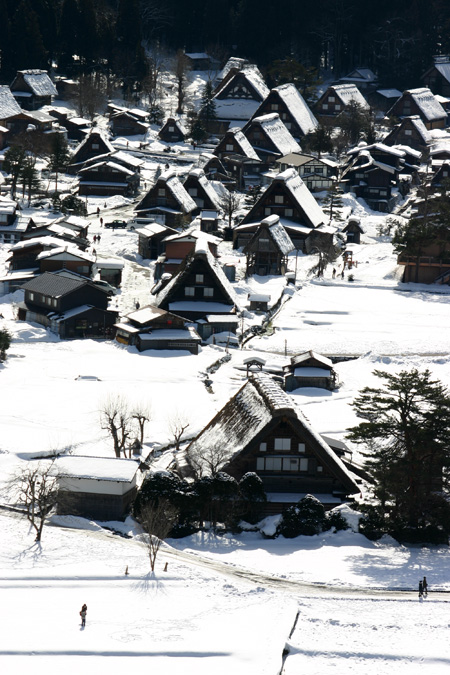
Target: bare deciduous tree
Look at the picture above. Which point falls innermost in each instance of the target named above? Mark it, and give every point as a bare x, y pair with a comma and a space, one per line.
116, 419
208, 461
178, 423
181, 69
230, 203
141, 414
157, 519
35, 488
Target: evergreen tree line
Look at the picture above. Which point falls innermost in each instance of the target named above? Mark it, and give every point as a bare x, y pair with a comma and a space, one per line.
396, 38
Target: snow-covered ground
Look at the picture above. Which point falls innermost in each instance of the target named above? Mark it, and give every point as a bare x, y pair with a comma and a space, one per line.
357, 612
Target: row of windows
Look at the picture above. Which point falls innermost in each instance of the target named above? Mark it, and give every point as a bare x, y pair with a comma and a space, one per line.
283, 444
49, 301
189, 292
291, 464
336, 107
287, 212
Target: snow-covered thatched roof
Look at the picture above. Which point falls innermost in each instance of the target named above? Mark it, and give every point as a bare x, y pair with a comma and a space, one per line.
302, 195
8, 104
297, 107
428, 103
175, 186
39, 82
276, 231
348, 93
246, 148
258, 404
206, 185
277, 132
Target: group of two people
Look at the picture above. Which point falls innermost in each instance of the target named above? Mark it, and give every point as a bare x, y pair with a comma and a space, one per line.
423, 588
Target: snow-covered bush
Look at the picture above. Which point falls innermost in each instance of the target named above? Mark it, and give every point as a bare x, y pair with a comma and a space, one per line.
307, 517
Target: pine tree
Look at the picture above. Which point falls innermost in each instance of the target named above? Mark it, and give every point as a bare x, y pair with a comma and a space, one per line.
5, 343
406, 429
208, 106
60, 156
332, 203
12, 164
29, 177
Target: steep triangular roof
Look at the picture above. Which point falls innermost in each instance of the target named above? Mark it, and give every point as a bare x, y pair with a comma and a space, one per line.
272, 228
201, 252
239, 425
8, 104
277, 133
297, 106
301, 196
37, 81
199, 176
170, 180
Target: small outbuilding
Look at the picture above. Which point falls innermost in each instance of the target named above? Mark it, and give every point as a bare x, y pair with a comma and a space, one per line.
310, 370
101, 488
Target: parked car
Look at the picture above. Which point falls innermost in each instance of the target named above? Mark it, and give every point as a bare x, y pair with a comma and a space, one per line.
116, 224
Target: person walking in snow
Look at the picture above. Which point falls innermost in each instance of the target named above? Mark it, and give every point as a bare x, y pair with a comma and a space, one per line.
83, 615
421, 589
425, 586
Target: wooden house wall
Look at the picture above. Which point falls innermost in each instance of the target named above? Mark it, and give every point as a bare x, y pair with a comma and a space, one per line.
239, 87
180, 249
275, 104
90, 324
406, 106
267, 205
199, 266
98, 507
79, 266
400, 136
201, 198
85, 295
152, 247
230, 141
259, 139
186, 345
436, 82
296, 480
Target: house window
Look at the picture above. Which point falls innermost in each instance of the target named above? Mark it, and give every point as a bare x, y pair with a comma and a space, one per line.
279, 199
199, 278
189, 291
3, 218
408, 132
31, 296
290, 463
303, 464
319, 170
171, 128
54, 302
331, 99
337, 106
267, 211
273, 464
256, 135
260, 463
307, 169
288, 125
161, 192
193, 192
301, 448
49, 301
274, 106
95, 146
319, 468
263, 447
288, 213
229, 147
282, 444
325, 106
208, 292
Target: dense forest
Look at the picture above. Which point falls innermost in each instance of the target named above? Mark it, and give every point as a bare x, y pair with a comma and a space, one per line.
396, 38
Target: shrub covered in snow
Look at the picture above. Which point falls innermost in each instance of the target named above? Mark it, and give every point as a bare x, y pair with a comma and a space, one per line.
307, 517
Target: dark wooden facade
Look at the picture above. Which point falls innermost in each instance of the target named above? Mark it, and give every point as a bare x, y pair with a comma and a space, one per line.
108, 178
172, 131
420, 102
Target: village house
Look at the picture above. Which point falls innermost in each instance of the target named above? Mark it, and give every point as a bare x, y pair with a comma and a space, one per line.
238, 96
437, 77
336, 100
9, 108
410, 131
108, 178
76, 127
205, 193
201, 61
71, 308
214, 169
179, 245
364, 78
172, 131
13, 224
93, 145
423, 103
353, 230
124, 123
240, 159
262, 431
310, 370
38, 126
317, 173
441, 174
432, 265
109, 271
167, 201
67, 257
33, 88
99, 488
270, 138
151, 239
268, 250
289, 198
382, 100
200, 288
153, 328
289, 104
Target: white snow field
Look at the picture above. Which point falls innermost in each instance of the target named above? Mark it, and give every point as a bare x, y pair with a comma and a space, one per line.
358, 608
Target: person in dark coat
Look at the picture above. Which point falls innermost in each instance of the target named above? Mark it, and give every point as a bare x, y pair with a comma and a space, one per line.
421, 589
425, 586
83, 615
